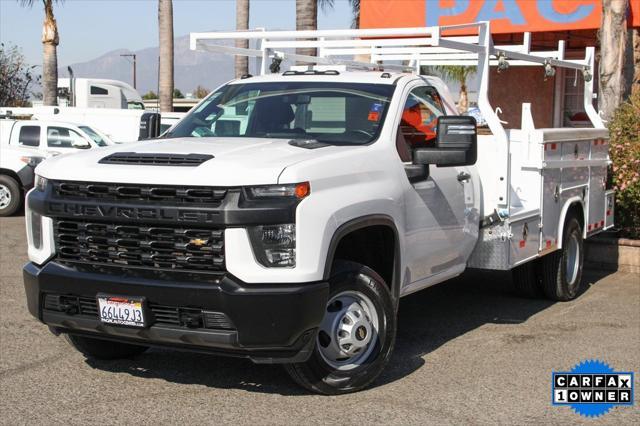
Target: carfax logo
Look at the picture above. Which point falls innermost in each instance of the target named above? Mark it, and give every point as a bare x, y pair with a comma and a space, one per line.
592, 388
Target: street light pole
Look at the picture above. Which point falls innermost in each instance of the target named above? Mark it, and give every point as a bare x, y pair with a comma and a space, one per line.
132, 55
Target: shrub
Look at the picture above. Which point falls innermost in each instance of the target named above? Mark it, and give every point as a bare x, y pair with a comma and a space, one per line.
624, 131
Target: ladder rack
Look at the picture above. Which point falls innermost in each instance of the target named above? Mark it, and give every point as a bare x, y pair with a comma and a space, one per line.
408, 49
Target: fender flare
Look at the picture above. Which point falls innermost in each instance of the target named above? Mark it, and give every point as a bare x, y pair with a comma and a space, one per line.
363, 222
563, 216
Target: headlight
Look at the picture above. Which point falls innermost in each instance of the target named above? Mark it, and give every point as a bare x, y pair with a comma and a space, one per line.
41, 183
297, 190
274, 245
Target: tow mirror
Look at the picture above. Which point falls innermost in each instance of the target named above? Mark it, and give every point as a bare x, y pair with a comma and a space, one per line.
456, 143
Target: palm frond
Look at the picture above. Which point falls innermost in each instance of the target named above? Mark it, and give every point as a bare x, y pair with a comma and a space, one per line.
326, 5
29, 3
457, 73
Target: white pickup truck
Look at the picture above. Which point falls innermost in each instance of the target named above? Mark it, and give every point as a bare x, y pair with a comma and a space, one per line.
25, 142
285, 216
119, 125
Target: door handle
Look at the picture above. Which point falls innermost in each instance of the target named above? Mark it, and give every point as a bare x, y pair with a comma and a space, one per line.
464, 177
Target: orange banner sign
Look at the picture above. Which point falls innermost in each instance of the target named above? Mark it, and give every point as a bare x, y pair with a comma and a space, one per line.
506, 16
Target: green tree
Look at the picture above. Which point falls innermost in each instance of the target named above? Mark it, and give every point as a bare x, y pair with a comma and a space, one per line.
456, 73
50, 41
16, 77
150, 95
624, 131
177, 94
200, 92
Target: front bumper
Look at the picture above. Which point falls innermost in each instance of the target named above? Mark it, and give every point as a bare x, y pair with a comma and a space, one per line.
270, 323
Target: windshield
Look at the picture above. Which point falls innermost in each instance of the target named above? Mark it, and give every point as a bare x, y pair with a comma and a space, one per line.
336, 113
99, 139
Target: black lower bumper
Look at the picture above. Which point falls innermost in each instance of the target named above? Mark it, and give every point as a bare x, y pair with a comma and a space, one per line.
267, 322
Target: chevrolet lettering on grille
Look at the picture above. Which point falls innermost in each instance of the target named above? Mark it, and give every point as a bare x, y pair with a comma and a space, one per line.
139, 213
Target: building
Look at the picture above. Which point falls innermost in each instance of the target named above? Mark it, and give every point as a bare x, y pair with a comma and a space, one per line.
555, 101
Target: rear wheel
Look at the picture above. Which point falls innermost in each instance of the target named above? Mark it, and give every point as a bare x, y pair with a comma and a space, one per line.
526, 280
356, 336
103, 349
562, 269
10, 198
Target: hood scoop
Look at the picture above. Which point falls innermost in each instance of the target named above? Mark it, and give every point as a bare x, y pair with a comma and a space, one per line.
151, 159
307, 143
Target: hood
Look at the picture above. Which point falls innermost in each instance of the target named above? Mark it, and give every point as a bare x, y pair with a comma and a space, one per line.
235, 162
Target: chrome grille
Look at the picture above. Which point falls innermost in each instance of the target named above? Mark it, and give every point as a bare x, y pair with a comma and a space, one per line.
166, 247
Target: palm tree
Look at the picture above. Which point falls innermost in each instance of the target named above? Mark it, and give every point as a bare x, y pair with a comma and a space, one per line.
242, 23
355, 10
456, 73
613, 37
165, 30
50, 41
307, 19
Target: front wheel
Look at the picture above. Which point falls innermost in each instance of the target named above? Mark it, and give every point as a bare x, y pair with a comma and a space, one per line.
10, 197
356, 337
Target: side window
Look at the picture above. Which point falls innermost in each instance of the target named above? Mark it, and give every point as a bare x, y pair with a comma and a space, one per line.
97, 90
60, 137
420, 117
29, 136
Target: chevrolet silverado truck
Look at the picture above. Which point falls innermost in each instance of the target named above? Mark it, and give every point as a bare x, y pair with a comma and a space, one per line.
286, 215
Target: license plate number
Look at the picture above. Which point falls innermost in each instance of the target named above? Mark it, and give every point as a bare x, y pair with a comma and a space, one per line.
121, 310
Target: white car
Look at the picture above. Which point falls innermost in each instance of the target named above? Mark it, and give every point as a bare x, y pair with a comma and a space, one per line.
51, 137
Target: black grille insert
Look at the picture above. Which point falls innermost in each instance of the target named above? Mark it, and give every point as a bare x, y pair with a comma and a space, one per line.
140, 192
175, 248
151, 159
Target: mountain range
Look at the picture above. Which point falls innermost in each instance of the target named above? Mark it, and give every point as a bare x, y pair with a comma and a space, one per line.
191, 68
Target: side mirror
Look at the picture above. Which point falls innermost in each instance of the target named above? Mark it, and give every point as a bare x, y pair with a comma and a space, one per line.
81, 145
456, 143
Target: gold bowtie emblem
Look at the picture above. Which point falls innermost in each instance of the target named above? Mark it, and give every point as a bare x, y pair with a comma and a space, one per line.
198, 242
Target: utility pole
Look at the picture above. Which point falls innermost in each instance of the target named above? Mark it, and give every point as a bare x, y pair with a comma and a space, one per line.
132, 55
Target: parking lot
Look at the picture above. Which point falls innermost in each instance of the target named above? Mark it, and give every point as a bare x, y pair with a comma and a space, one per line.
467, 352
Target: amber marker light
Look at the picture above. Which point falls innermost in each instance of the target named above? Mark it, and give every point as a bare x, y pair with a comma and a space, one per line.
302, 189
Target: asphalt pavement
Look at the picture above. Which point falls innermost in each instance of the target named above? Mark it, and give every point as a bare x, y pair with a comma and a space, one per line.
467, 353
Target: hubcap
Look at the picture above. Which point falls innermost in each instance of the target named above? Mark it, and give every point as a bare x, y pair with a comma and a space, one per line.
5, 197
349, 330
572, 259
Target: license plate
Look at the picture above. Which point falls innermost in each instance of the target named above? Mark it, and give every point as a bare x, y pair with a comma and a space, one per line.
121, 310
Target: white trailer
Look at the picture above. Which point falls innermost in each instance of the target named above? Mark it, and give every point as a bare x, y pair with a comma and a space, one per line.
96, 93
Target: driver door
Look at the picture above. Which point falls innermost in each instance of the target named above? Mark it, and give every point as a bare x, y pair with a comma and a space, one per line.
435, 203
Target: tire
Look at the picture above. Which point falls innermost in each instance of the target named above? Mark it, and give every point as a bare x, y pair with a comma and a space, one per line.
359, 303
10, 196
561, 270
526, 280
103, 349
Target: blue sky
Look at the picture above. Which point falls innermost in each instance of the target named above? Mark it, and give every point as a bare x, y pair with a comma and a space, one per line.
90, 28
